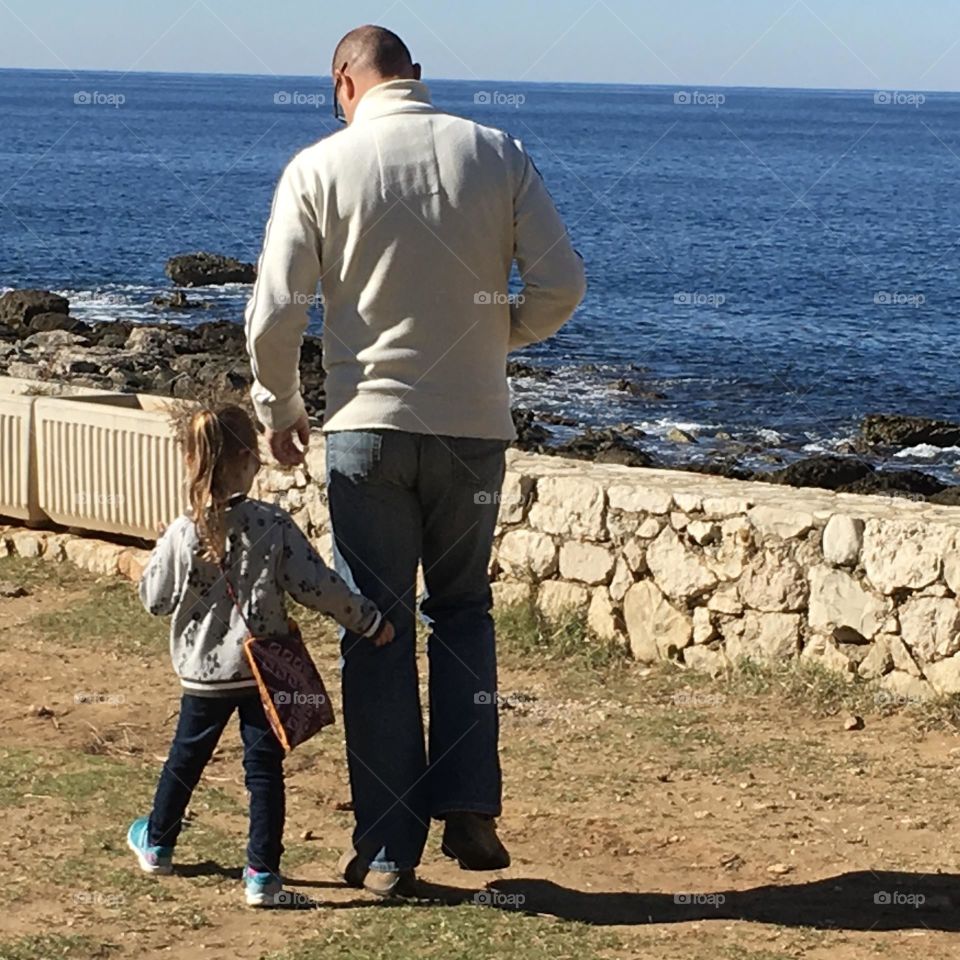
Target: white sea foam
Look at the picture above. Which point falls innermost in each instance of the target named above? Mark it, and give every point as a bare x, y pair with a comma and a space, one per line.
927, 451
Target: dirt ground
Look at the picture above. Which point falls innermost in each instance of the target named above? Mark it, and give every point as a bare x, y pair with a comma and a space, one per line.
650, 813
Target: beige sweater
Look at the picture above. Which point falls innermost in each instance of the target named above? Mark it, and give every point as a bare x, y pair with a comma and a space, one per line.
410, 220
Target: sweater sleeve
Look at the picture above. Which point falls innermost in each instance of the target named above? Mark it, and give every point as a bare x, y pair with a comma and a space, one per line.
307, 579
277, 314
554, 281
163, 578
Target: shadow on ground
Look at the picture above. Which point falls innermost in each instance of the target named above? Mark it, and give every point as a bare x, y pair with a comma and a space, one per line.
864, 900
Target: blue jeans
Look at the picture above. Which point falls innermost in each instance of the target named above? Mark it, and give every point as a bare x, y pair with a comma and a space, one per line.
202, 721
398, 499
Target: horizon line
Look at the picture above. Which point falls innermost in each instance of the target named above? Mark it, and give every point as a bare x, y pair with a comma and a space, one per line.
542, 83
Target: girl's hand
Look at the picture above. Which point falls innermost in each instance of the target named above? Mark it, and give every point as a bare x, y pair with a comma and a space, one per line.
384, 635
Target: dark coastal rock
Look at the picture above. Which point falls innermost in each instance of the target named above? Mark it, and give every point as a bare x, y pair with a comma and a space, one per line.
635, 389
178, 300
724, 468
828, 473
208, 269
608, 446
558, 420
947, 498
45, 322
893, 430
531, 436
516, 368
896, 483
19, 307
111, 334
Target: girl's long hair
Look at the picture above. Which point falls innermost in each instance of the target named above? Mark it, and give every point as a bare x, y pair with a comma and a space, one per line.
215, 443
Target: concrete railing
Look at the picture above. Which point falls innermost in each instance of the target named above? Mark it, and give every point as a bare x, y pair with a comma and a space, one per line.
87, 459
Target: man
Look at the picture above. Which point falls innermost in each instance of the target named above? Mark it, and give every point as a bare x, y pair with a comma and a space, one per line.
410, 219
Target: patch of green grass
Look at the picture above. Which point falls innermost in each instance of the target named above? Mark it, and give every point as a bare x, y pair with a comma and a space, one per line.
34, 574
525, 635
455, 933
82, 781
55, 947
111, 616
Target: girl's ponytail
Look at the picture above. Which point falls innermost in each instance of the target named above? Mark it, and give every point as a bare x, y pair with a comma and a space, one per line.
215, 443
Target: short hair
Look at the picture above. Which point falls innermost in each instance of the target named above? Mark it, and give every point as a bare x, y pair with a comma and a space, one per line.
373, 48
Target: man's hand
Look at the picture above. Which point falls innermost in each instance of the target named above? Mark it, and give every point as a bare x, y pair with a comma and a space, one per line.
384, 635
283, 442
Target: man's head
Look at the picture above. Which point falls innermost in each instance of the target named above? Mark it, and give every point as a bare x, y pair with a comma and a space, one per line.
366, 57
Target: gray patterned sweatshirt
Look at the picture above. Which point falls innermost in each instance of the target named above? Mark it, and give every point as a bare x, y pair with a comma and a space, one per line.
268, 556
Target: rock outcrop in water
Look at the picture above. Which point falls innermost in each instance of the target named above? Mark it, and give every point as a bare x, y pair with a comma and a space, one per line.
208, 270
151, 358
893, 430
20, 310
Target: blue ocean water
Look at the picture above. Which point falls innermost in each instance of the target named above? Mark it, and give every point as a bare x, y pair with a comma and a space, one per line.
773, 264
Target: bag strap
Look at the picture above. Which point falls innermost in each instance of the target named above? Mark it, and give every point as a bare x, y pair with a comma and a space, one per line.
233, 596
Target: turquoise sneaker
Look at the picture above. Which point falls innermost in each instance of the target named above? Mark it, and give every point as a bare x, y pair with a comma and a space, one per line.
158, 860
263, 889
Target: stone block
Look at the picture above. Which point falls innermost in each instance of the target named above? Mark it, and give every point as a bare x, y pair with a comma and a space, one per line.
843, 540
657, 630
773, 582
528, 555
931, 628
586, 562
602, 619
558, 599
636, 498
783, 522
570, 507
903, 554
511, 593
763, 637
841, 605
680, 573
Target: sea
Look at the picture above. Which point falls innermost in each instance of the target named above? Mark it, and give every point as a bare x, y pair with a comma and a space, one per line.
766, 266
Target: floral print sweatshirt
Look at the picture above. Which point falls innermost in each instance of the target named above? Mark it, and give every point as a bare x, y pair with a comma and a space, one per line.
267, 557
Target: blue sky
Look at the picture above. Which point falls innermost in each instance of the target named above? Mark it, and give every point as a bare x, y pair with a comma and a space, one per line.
868, 44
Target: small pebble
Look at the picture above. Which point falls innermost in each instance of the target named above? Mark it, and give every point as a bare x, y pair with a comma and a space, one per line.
853, 723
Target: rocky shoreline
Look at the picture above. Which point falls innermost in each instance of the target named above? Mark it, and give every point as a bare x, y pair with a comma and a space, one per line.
40, 340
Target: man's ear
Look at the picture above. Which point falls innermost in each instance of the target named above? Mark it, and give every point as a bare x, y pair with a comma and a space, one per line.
349, 87
417, 71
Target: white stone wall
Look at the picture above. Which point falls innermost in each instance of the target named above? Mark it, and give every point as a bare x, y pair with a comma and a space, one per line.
704, 570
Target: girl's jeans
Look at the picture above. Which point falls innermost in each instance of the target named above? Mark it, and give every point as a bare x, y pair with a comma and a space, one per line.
202, 721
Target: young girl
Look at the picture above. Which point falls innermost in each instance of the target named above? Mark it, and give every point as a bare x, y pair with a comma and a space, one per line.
263, 554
